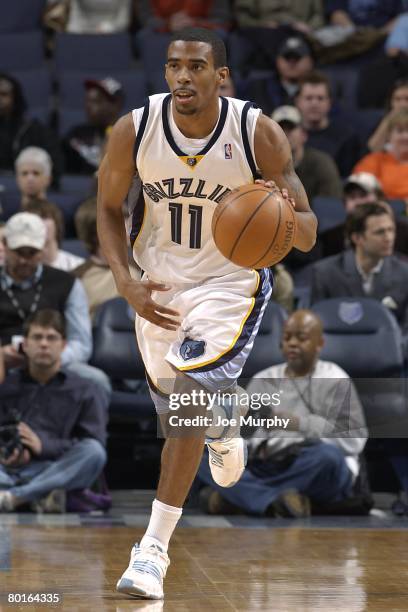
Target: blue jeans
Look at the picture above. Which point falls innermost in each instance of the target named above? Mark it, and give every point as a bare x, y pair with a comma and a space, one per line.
319, 471
78, 468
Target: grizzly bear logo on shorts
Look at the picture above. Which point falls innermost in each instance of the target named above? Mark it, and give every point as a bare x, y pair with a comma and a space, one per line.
190, 349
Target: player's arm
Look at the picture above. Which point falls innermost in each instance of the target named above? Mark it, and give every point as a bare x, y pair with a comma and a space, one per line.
115, 177
274, 159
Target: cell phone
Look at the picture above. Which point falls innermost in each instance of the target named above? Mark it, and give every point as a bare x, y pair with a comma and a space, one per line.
17, 343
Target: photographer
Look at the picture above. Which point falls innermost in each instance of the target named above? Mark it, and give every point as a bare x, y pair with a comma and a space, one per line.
52, 423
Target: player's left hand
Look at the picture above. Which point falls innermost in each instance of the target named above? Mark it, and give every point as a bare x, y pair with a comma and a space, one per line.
283, 192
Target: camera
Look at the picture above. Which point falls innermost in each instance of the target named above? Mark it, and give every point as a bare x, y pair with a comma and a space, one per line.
10, 437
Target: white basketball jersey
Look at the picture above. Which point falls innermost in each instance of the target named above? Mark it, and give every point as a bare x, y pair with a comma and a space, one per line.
171, 203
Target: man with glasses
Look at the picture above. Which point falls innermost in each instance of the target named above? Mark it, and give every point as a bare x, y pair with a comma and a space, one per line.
52, 423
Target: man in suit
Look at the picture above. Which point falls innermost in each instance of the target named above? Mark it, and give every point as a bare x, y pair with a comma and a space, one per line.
369, 268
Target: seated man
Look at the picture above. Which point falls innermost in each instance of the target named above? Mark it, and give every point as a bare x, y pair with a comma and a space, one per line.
27, 285
369, 268
61, 419
314, 457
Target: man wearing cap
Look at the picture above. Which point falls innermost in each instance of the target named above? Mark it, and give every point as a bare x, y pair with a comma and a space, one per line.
26, 285
294, 60
369, 268
83, 145
360, 188
316, 169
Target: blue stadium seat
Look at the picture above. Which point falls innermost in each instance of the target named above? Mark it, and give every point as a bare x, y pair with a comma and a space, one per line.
364, 339
116, 353
69, 118
21, 51
343, 81
75, 183
9, 203
153, 50
76, 247
329, 212
104, 52
266, 350
72, 92
365, 121
21, 16
239, 51
68, 204
8, 183
36, 86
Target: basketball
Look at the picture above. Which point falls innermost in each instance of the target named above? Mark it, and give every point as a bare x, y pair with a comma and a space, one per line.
254, 227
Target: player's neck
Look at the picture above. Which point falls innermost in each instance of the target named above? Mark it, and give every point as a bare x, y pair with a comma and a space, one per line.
199, 125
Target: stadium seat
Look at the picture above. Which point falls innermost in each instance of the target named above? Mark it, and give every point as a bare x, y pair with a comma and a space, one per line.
72, 93
343, 81
364, 339
76, 247
266, 350
21, 16
21, 51
116, 353
9, 203
8, 183
67, 203
152, 49
329, 212
104, 52
75, 183
364, 122
36, 86
69, 118
239, 51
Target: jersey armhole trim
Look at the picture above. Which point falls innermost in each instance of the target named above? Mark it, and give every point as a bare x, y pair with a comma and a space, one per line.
245, 139
142, 127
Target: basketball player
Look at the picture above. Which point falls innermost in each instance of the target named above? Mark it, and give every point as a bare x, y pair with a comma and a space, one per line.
197, 313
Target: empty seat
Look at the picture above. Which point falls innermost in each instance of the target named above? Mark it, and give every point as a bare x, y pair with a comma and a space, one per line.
329, 212
75, 183
74, 246
21, 51
105, 52
116, 353
21, 16
69, 118
36, 86
266, 350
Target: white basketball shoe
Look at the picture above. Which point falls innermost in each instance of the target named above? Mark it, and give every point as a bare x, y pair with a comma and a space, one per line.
227, 456
145, 573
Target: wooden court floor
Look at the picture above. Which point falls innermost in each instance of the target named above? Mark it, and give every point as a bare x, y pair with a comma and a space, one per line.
276, 569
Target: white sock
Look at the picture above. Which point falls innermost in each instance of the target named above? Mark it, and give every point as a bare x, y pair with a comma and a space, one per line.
163, 521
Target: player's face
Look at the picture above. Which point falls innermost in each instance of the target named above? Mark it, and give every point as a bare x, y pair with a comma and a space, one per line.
43, 346
313, 102
32, 179
378, 238
301, 343
192, 78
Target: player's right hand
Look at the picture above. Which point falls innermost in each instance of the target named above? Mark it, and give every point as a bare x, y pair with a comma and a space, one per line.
138, 294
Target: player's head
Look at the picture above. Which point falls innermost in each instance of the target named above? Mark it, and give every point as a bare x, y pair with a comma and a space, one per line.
195, 68
302, 341
370, 228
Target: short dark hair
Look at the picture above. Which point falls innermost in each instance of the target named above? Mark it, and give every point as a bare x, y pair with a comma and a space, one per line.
315, 78
48, 210
47, 317
206, 36
357, 219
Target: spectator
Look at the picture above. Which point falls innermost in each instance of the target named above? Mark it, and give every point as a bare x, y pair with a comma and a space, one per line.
316, 459
33, 168
17, 131
316, 169
369, 268
390, 166
361, 188
397, 41
164, 16
95, 273
398, 100
375, 13
267, 24
53, 255
84, 144
26, 285
282, 287
333, 137
293, 61
88, 16
61, 423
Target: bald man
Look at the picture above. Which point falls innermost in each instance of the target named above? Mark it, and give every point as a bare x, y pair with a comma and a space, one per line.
310, 432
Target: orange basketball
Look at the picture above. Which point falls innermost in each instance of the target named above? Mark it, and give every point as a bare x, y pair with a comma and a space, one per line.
254, 227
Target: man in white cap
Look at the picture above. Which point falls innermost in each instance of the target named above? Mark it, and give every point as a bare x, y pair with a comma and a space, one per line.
361, 188
26, 285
